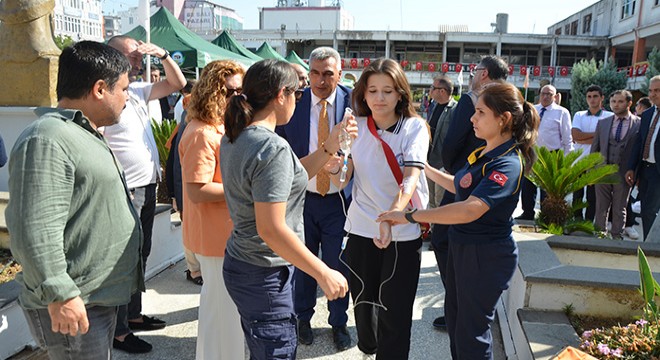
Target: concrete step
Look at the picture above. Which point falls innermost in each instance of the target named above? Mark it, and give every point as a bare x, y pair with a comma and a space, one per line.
546, 332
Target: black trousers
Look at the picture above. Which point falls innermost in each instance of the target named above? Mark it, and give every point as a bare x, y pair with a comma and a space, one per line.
385, 330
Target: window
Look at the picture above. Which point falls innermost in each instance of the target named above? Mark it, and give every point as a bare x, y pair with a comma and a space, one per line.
558, 31
586, 24
567, 29
574, 27
628, 8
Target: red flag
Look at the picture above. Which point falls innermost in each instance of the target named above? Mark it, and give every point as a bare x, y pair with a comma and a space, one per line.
432, 67
366, 62
418, 66
537, 71
498, 177
445, 67
551, 70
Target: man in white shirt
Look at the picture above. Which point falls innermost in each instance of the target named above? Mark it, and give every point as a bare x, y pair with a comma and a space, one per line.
584, 128
134, 146
554, 134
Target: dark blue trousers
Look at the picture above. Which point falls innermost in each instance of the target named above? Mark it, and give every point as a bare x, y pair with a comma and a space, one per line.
264, 301
324, 231
476, 277
440, 239
649, 190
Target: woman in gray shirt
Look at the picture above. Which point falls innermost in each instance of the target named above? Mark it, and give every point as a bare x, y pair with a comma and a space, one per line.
264, 188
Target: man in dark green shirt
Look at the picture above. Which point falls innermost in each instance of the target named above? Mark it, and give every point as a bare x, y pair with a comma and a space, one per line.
72, 225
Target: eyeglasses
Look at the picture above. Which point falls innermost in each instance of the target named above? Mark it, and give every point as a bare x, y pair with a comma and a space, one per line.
299, 94
232, 92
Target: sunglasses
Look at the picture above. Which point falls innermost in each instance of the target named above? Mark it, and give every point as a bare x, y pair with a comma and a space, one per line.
232, 92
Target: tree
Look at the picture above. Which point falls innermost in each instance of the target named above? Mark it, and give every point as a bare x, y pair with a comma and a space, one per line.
589, 72
63, 41
653, 70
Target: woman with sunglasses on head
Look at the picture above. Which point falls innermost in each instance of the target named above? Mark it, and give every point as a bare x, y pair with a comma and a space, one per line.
385, 262
482, 253
206, 222
265, 188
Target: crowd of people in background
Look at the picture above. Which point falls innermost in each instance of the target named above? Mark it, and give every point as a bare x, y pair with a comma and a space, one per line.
283, 193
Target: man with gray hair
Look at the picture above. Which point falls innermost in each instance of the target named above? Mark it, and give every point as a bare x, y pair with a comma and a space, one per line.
320, 108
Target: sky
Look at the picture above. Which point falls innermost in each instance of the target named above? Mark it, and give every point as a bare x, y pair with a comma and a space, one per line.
525, 16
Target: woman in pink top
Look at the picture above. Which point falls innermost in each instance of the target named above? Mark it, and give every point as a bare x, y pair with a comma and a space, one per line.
206, 221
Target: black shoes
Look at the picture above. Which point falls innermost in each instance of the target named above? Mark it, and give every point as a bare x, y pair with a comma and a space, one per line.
132, 345
440, 323
148, 323
525, 216
341, 337
305, 334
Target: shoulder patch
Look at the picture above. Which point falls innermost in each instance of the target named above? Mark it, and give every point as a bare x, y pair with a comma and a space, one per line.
466, 180
498, 177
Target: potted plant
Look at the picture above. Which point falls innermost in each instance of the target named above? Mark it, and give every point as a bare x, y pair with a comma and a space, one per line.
559, 175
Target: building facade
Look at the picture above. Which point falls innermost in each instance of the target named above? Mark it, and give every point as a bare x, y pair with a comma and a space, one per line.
78, 19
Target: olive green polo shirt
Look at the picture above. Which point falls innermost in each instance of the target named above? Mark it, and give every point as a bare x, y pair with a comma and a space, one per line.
71, 222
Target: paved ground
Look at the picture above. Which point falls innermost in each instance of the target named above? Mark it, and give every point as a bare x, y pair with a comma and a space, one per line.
172, 298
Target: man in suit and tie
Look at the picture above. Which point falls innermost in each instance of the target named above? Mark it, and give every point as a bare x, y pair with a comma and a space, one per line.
320, 108
441, 92
614, 139
644, 162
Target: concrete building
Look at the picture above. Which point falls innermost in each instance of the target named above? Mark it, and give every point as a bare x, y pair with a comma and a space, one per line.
305, 17
208, 19
632, 27
112, 26
79, 19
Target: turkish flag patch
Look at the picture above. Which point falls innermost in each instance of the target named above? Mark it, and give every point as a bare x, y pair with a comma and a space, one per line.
498, 177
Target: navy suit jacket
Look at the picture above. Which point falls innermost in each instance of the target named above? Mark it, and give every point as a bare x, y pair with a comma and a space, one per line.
460, 141
296, 132
637, 152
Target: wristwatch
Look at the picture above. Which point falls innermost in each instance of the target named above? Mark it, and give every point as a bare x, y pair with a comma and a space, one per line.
409, 216
167, 54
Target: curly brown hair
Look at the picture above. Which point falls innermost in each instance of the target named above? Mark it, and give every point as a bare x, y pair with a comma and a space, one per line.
208, 100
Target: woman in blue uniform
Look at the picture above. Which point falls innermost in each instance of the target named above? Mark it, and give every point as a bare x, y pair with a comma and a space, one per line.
482, 253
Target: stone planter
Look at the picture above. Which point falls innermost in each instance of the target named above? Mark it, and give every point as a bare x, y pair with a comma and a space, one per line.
14, 331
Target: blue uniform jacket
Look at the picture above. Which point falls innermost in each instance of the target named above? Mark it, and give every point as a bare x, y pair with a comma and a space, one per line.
493, 177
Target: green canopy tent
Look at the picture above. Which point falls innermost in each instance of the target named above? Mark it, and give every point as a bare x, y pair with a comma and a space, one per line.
187, 48
228, 42
295, 59
267, 52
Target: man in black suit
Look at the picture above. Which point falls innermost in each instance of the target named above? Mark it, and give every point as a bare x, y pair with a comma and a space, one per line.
644, 162
323, 103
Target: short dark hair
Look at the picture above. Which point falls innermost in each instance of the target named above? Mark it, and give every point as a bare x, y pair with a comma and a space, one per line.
645, 102
445, 82
86, 62
594, 87
496, 66
623, 92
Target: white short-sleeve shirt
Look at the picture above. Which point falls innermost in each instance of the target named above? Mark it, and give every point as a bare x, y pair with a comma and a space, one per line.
586, 122
374, 186
132, 140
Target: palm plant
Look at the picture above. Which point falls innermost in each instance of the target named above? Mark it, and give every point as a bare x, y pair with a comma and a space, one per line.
162, 133
559, 174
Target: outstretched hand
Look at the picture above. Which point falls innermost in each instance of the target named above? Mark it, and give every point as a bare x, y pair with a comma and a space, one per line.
392, 217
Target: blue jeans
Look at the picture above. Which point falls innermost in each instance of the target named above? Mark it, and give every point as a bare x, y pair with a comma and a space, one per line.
264, 300
95, 345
